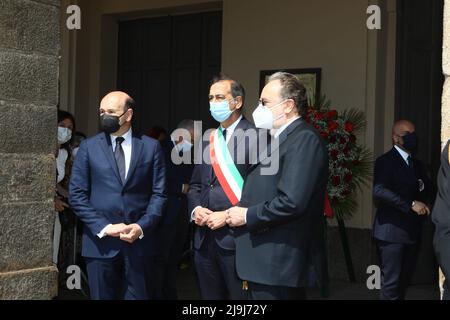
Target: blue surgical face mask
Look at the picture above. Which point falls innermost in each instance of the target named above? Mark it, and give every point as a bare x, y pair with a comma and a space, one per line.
185, 146
220, 111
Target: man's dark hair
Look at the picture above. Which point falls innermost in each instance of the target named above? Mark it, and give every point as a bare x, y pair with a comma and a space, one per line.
237, 89
129, 104
187, 124
63, 115
293, 89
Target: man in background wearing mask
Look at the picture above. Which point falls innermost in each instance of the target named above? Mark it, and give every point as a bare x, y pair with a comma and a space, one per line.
279, 221
210, 193
399, 188
171, 237
118, 191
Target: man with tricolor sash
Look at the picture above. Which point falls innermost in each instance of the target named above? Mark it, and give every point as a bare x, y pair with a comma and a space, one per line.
216, 185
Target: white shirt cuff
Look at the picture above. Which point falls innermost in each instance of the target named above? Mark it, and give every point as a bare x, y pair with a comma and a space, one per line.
103, 232
193, 213
142, 233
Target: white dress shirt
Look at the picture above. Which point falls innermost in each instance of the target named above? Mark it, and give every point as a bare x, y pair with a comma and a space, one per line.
403, 153
230, 131
284, 127
61, 164
127, 146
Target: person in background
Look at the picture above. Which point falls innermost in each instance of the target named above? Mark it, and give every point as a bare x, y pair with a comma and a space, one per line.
63, 236
157, 133
77, 138
441, 219
400, 188
172, 235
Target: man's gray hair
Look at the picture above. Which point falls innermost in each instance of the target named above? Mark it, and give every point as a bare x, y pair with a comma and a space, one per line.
293, 89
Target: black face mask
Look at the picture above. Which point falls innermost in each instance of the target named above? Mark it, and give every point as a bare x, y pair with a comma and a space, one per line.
410, 141
110, 124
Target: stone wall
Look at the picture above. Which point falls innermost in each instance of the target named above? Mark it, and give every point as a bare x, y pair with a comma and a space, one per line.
29, 49
446, 70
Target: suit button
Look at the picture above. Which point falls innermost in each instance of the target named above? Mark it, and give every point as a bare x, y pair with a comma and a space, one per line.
212, 187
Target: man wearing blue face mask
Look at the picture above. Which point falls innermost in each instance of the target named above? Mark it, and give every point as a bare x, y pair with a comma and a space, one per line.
216, 186
400, 189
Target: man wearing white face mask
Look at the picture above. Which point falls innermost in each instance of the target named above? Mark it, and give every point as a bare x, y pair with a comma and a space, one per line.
174, 225
279, 221
215, 186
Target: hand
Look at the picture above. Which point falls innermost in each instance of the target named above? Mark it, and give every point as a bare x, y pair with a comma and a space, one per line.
237, 216
115, 230
60, 205
185, 188
202, 216
134, 232
420, 208
217, 220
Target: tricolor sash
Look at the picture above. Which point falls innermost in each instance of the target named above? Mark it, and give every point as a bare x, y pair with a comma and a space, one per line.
224, 167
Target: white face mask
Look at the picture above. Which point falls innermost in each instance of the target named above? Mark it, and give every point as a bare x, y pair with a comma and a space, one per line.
263, 117
64, 135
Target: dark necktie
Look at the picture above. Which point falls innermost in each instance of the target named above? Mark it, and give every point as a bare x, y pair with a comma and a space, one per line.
224, 132
410, 162
120, 157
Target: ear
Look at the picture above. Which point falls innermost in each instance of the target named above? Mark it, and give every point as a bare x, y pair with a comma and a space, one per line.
395, 138
290, 105
238, 102
130, 115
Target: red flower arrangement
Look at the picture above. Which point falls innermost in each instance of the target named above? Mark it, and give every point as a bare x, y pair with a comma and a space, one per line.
350, 163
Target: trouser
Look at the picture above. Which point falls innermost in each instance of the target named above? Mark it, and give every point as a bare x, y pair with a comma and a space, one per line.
397, 267
216, 272
121, 277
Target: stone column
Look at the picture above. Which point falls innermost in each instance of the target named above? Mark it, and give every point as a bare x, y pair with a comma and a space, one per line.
29, 48
446, 70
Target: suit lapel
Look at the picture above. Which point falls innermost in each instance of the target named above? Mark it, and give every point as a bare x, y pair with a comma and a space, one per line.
402, 163
108, 151
136, 151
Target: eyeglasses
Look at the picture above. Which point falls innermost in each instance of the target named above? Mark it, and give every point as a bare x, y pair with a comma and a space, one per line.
264, 103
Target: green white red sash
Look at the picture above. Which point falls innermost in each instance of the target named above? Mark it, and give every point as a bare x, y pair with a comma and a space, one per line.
224, 167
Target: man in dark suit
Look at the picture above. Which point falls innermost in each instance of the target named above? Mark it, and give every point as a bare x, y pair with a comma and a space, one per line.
399, 189
210, 193
279, 221
441, 219
118, 190
172, 235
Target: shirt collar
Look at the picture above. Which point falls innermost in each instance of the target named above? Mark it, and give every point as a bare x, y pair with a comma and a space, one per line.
403, 153
127, 136
233, 126
283, 127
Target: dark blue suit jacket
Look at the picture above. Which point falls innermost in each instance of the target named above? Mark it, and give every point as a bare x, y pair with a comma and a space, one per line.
177, 175
205, 189
395, 187
99, 198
